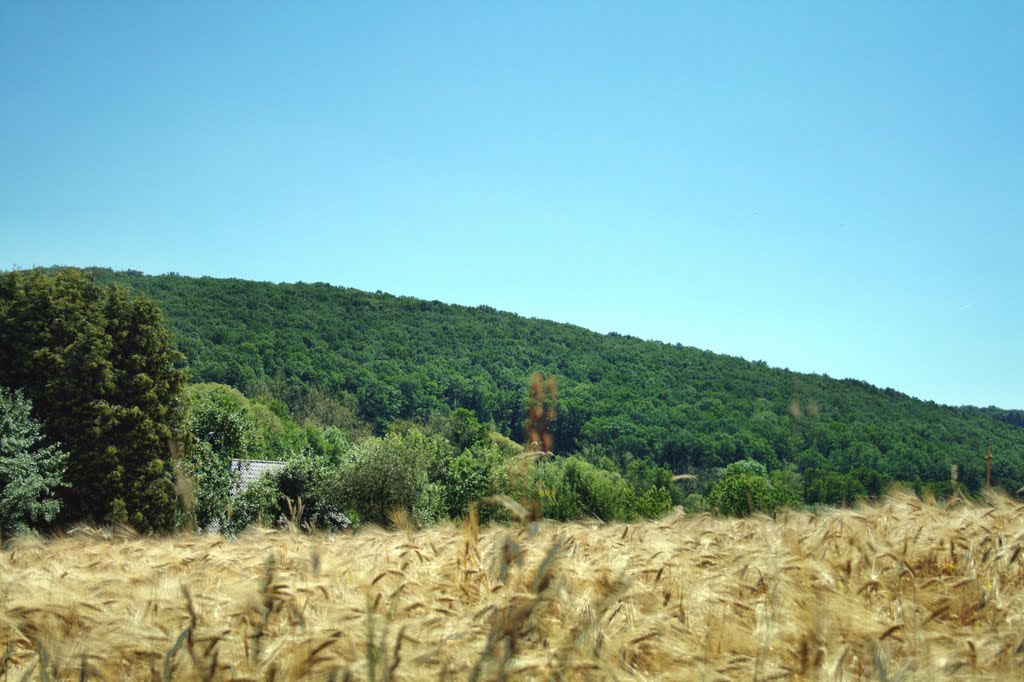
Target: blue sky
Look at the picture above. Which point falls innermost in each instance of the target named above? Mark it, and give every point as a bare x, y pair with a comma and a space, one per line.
832, 188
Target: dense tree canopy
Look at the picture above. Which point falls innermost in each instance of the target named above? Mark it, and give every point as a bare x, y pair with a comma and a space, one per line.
375, 358
103, 376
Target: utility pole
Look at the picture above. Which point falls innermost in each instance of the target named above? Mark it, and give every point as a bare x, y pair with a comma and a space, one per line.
988, 468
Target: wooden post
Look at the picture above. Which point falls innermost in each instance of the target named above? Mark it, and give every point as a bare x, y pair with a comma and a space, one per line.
988, 468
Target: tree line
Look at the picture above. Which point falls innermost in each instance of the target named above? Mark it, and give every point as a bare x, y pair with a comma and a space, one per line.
142, 387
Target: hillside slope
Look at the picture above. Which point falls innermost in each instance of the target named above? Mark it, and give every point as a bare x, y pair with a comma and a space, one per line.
325, 349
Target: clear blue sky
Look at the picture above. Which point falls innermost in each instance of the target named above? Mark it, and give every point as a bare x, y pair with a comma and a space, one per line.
835, 189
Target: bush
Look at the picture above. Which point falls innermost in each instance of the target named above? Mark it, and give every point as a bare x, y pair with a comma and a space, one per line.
465, 479
694, 503
384, 475
833, 488
572, 488
30, 472
744, 489
653, 504
206, 497
305, 491
316, 485
787, 485
257, 504
477, 473
219, 416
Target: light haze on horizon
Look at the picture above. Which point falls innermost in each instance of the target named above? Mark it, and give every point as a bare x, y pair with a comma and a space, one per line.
837, 190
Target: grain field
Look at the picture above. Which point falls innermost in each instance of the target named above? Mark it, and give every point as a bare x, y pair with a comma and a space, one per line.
901, 590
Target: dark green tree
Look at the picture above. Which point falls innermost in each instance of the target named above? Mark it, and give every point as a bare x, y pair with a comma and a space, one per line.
102, 373
30, 471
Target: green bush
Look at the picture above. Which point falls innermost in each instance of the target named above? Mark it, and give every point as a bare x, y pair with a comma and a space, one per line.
695, 503
30, 472
317, 485
258, 504
787, 485
833, 488
465, 479
208, 482
305, 491
476, 474
219, 416
464, 431
653, 504
383, 475
743, 489
572, 488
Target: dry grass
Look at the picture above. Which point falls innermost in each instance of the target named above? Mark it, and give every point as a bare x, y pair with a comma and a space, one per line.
903, 590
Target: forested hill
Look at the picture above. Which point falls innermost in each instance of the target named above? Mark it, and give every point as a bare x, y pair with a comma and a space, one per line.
331, 353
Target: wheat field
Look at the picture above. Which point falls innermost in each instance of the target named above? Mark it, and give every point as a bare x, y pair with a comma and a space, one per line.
899, 590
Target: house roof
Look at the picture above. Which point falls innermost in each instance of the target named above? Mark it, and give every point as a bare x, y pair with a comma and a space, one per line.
249, 470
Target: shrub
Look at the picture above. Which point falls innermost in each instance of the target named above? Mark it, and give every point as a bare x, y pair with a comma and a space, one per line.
206, 499
653, 504
787, 485
477, 473
830, 487
309, 485
30, 472
465, 479
382, 475
219, 416
743, 489
316, 484
257, 504
572, 488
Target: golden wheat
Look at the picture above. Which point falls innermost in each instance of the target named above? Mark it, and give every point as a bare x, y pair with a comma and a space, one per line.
901, 590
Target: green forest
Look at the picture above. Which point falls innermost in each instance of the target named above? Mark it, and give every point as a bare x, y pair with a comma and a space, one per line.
385, 405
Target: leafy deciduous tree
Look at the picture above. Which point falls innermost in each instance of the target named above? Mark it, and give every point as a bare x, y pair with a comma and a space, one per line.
744, 489
30, 471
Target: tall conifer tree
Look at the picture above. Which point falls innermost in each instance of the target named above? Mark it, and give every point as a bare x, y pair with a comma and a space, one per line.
103, 374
